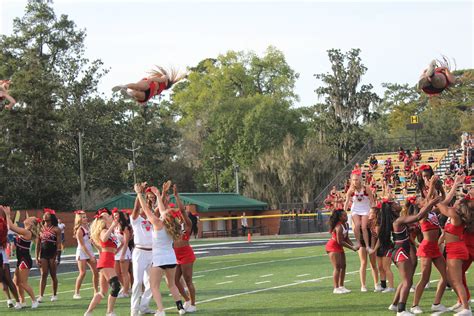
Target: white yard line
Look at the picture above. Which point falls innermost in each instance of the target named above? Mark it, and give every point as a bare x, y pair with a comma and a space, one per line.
198, 276
60, 298
232, 276
261, 282
226, 282
266, 275
302, 275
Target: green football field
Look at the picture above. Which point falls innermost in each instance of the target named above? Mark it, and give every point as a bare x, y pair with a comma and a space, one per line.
278, 282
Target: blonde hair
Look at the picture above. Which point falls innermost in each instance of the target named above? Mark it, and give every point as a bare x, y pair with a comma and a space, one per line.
172, 74
35, 228
98, 225
172, 226
465, 211
77, 223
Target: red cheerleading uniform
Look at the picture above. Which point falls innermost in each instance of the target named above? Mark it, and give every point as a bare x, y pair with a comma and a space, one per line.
185, 254
152, 89
401, 248
106, 258
23, 256
432, 90
429, 249
456, 249
332, 245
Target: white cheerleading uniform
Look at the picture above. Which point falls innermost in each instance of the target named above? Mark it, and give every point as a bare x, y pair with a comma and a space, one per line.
120, 238
360, 203
163, 252
81, 254
141, 263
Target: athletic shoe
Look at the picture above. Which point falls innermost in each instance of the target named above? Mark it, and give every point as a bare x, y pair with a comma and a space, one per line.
76, 297
123, 295
378, 288
431, 68
393, 308
388, 290
363, 289
456, 307
416, 310
17, 305
439, 308
117, 88
54, 298
344, 290
10, 303
34, 304
40, 299
412, 289
111, 314
88, 314
125, 94
464, 312
337, 291
146, 311
405, 313
181, 312
190, 309
427, 286
162, 313
23, 305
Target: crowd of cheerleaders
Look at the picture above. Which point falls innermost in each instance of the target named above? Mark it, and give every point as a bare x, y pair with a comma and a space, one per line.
434, 227
152, 240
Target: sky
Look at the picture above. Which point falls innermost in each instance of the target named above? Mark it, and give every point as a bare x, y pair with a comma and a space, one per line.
397, 38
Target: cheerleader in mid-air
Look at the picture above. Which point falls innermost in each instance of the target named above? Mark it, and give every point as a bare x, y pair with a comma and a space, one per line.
436, 78
4, 95
145, 89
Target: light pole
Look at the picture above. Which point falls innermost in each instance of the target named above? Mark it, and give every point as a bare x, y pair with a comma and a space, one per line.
236, 170
81, 171
132, 165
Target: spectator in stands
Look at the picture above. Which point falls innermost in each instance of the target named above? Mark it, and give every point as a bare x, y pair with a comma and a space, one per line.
417, 154
373, 162
401, 154
454, 163
448, 182
368, 177
396, 180
407, 165
347, 185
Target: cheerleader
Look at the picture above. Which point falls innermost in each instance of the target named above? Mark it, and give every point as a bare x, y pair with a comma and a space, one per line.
425, 187
5, 276
102, 234
48, 252
124, 256
429, 253
84, 253
24, 261
166, 229
393, 223
4, 95
185, 258
459, 217
436, 78
145, 89
339, 238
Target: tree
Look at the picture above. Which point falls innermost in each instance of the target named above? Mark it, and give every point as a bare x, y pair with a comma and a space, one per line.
347, 104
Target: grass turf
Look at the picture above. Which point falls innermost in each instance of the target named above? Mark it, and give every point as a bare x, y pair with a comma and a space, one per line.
279, 282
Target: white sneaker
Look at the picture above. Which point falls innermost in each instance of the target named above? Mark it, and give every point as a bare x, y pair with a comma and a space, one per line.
17, 305
404, 313
439, 308
344, 290
23, 305
54, 298
412, 290
34, 304
363, 289
88, 314
388, 290
76, 297
427, 286
337, 291
378, 288
456, 307
464, 312
181, 312
111, 314
393, 308
40, 299
146, 311
416, 310
191, 309
10, 303
162, 313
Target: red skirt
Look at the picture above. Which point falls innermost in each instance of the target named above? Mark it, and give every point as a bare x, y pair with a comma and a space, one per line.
333, 246
457, 250
469, 240
106, 260
428, 249
184, 255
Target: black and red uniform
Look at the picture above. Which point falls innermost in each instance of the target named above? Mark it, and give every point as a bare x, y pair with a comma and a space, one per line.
23, 255
152, 90
401, 248
49, 242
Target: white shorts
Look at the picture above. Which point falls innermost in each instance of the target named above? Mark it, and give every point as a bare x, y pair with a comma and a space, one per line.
360, 213
128, 255
81, 255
